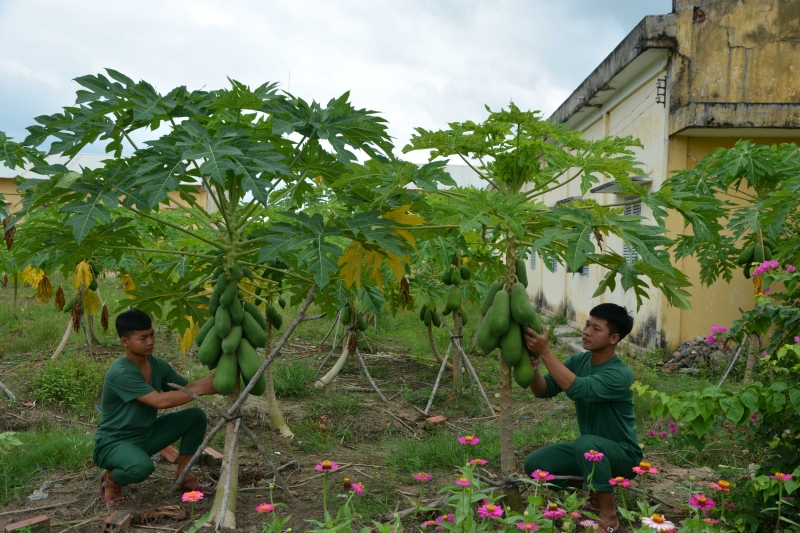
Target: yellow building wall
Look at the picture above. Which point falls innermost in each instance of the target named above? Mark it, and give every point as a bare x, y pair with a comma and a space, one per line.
720, 302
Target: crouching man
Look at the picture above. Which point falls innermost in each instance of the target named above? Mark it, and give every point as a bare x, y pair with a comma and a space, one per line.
130, 430
599, 383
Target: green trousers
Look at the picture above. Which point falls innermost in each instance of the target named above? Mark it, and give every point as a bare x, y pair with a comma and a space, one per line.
567, 459
129, 459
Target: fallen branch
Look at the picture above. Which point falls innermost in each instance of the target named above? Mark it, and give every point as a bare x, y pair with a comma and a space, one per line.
438, 379
7, 392
396, 418
430, 503
17, 511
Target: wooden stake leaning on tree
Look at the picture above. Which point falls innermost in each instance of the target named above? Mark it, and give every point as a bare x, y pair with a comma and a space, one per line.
369, 378
438, 379
334, 325
246, 392
7, 392
472, 370
435, 349
732, 362
64, 339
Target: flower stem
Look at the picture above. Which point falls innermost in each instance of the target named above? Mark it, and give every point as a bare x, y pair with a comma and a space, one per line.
419, 502
325, 495
780, 499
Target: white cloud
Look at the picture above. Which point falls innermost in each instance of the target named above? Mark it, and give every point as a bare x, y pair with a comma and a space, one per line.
420, 63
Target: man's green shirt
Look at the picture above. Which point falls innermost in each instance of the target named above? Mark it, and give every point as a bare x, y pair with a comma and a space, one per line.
122, 416
603, 399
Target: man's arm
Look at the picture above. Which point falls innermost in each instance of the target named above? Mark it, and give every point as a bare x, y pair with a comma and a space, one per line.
563, 376
165, 400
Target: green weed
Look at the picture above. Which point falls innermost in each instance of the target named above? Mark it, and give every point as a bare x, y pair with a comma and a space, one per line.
421, 396
293, 380
335, 403
72, 381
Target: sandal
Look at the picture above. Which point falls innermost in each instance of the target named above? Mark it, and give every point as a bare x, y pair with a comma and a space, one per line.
190, 483
115, 497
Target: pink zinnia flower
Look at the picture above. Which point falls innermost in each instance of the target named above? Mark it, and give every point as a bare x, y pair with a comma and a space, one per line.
480, 462
553, 512
658, 522
192, 496
490, 511
780, 476
346, 485
589, 524
358, 488
423, 476
265, 508
527, 526
594, 456
723, 485
790, 268
575, 514
645, 468
427, 523
542, 475
711, 521
469, 439
327, 466
463, 482
620, 481
797, 338
450, 517
702, 502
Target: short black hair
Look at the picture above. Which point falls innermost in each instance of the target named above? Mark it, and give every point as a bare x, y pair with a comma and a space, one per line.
619, 321
132, 320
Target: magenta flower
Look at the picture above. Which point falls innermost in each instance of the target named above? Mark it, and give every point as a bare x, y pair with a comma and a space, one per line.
423, 477
192, 496
358, 488
589, 524
657, 522
620, 481
780, 476
702, 502
790, 268
469, 439
645, 468
463, 482
715, 329
767, 290
710, 339
490, 511
265, 508
663, 434
797, 338
479, 462
753, 418
542, 475
730, 505
527, 526
553, 512
723, 486
427, 523
450, 517
711, 521
327, 466
575, 514
594, 456
652, 433
673, 427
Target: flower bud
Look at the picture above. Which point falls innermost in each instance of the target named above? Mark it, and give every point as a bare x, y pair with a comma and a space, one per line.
692, 478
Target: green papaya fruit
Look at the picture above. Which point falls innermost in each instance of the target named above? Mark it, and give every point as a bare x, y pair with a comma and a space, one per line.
447, 277
237, 311
228, 294
758, 255
93, 285
282, 303
222, 283
500, 319
466, 273
523, 372
486, 341
210, 349
487, 302
453, 299
277, 321
748, 269
253, 332
216, 273
258, 291
270, 312
767, 253
201, 335
747, 255
95, 270
463, 318
770, 244
535, 324
428, 318
248, 273
249, 363
222, 321
252, 308
231, 341
346, 315
236, 272
226, 376
422, 312
511, 345
69, 305
436, 319
521, 308
521, 271
362, 324
455, 276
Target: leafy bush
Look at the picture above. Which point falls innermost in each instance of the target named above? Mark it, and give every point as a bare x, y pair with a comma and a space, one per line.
74, 382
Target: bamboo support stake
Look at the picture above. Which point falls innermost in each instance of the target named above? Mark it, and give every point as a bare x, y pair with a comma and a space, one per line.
369, 378
7, 392
438, 378
455, 338
732, 362
474, 373
334, 325
435, 349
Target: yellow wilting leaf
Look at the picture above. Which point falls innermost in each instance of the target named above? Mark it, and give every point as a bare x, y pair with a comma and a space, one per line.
188, 336
44, 290
82, 276
351, 265
406, 235
127, 282
374, 260
91, 302
402, 216
32, 276
395, 262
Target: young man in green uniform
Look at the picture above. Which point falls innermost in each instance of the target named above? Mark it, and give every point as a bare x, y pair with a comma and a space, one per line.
599, 383
130, 430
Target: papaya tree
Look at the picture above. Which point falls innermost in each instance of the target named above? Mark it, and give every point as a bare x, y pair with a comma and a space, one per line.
521, 157
247, 173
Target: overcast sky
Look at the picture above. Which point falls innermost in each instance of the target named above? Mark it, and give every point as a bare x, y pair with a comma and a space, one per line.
420, 63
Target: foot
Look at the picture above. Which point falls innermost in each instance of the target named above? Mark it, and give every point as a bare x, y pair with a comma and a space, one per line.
190, 483
609, 524
110, 491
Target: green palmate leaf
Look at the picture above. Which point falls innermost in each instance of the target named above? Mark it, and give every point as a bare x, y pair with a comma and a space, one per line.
733, 408
213, 152
371, 298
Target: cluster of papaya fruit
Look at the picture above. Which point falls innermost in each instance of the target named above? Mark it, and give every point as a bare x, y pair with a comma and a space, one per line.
347, 317
755, 254
235, 328
505, 314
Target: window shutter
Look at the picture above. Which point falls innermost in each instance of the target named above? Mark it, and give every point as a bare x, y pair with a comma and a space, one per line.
554, 264
533, 261
633, 209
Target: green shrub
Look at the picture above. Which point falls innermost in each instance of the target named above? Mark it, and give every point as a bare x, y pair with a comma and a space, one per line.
74, 382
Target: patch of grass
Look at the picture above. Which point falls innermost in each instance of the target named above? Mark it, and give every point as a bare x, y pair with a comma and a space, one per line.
335, 403
293, 380
42, 450
376, 501
309, 439
72, 381
441, 450
421, 396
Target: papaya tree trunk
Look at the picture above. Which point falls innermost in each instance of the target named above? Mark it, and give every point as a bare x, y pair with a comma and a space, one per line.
275, 415
90, 324
228, 476
507, 459
456, 340
350, 340
64, 339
